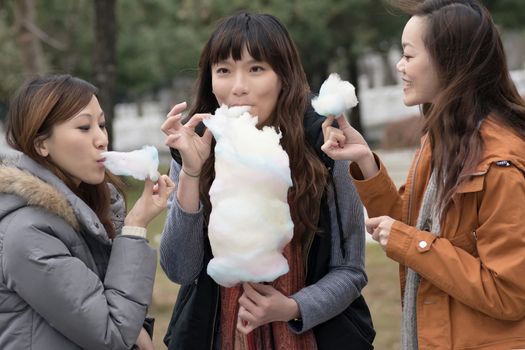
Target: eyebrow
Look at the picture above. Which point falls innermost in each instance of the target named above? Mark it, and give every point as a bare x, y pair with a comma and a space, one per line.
88, 115
230, 59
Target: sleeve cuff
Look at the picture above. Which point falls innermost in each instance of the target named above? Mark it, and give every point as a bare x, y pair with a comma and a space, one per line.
134, 231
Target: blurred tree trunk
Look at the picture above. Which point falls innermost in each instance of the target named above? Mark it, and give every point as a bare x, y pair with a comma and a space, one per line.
105, 59
31, 53
390, 76
353, 73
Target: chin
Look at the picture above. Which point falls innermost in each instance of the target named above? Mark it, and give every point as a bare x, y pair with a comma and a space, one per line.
96, 180
409, 102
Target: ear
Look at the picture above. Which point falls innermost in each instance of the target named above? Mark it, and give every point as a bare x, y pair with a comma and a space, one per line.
41, 147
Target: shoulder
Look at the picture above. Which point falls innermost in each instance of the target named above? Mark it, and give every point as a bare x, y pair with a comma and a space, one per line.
503, 147
313, 134
31, 233
37, 193
343, 186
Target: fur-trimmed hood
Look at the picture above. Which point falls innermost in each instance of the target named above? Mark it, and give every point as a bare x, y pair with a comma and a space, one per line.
35, 185
36, 193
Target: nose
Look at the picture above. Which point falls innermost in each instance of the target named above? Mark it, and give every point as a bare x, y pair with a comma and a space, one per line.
240, 86
101, 139
400, 66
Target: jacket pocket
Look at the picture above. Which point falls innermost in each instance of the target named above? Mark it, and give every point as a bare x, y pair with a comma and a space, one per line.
466, 241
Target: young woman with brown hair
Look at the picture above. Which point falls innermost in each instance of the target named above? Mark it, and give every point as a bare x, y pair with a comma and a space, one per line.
76, 272
250, 59
457, 227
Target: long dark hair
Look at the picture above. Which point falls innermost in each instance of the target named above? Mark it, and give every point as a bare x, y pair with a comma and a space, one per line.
267, 40
468, 54
39, 105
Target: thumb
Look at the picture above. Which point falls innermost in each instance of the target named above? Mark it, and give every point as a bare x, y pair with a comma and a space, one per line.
148, 187
342, 122
207, 137
372, 223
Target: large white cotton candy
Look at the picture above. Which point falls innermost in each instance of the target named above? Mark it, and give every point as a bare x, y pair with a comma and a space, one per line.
140, 164
335, 97
250, 222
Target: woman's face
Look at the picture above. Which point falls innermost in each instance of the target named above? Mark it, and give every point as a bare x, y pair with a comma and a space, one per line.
75, 146
246, 82
420, 79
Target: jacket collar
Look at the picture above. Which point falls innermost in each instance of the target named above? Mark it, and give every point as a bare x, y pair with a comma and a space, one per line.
22, 176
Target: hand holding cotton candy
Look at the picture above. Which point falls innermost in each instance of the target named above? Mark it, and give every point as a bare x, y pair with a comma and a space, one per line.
335, 97
140, 164
250, 222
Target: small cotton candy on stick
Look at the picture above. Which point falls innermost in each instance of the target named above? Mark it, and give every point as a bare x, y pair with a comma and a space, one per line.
335, 97
139, 164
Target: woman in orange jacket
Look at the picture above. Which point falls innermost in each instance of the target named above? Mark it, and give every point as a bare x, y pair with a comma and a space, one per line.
457, 227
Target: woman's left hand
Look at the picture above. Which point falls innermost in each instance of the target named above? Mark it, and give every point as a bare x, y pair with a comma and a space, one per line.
379, 228
261, 304
153, 200
144, 342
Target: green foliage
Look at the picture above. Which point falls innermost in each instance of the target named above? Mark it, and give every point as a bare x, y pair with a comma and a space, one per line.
160, 40
509, 14
10, 76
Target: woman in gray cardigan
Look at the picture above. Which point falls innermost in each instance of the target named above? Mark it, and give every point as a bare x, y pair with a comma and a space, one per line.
71, 277
250, 59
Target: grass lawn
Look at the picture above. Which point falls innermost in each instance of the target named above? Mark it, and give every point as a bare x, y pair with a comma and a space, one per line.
381, 293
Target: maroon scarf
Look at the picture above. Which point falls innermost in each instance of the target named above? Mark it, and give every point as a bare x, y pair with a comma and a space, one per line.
275, 335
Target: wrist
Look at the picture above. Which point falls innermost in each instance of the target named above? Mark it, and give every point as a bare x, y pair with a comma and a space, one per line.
191, 174
368, 165
133, 221
134, 231
295, 312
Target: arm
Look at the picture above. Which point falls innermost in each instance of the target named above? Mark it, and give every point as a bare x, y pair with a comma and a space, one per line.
378, 193
182, 243
345, 143
92, 313
343, 283
493, 282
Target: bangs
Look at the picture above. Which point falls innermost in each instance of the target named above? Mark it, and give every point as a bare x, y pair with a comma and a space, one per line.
236, 34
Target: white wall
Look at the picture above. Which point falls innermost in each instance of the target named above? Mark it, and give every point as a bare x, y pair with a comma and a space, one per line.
385, 104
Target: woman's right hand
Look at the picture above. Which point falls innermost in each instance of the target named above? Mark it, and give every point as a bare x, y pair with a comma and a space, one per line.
346, 143
194, 149
343, 143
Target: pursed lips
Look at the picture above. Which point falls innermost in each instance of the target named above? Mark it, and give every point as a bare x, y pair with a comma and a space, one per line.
240, 105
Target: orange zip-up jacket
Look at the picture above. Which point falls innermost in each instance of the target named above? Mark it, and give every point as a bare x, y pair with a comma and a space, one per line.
472, 291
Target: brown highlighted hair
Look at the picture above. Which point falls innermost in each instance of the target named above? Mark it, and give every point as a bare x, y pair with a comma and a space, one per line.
267, 40
468, 54
39, 105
